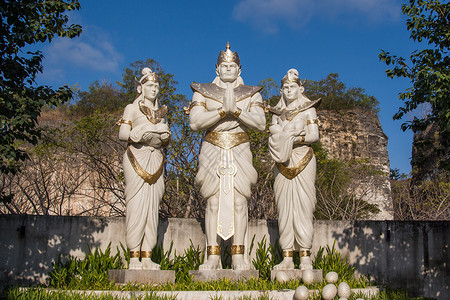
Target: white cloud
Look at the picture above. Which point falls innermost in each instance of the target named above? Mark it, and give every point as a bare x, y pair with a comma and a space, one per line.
91, 52
98, 56
268, 14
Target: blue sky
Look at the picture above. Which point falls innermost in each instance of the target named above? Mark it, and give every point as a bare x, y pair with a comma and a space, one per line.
271, 36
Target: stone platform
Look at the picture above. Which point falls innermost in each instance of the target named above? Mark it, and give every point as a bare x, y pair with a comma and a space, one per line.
123, 276
297, 274
233, 275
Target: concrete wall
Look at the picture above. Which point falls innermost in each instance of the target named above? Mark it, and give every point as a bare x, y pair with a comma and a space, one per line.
412, 255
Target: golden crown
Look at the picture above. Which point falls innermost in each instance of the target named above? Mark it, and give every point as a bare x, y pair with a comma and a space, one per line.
291, 77
148, 75
228, 56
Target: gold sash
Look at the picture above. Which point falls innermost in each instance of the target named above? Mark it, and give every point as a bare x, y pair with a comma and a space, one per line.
147, 177
291, 173
226, 140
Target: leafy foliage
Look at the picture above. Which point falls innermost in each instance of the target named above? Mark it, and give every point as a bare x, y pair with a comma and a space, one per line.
336, 96
25, 23
329, 259
428, 69
429, 200
88, 273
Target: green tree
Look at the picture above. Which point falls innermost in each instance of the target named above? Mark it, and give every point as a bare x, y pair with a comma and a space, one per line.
25, 23
427, 69
100, 98
335, 94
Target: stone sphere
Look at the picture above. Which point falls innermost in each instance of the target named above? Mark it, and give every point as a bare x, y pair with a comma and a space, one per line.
344, 290
329, 291
301, 293
308, 276
331, 277
281, 277
343, 299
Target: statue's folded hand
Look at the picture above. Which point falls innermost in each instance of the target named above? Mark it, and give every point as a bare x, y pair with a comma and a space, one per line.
165, 136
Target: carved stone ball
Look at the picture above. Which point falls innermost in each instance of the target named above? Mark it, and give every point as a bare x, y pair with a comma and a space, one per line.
308, 276
301, 293
329, 291
344, 290
331, 277
343, 299
281, 277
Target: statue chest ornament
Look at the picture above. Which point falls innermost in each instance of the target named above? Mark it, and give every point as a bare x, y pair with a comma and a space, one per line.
216, 93
289, 115
154, 116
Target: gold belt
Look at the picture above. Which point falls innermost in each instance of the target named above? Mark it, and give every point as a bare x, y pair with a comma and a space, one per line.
291, 173
226, 140
147, 177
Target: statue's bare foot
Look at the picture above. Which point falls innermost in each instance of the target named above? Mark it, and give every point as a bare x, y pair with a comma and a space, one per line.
148, 264
135, 264
286, 264
305, 263
212, 263
238, 262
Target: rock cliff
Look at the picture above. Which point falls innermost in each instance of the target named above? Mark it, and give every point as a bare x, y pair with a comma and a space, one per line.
357, 135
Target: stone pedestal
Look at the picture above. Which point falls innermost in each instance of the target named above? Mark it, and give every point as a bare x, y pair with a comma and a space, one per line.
297, 274
233, 275
141, 276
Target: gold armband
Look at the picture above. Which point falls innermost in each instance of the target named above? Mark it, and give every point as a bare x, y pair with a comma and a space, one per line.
237, 113
312, 121
222, 113
237, 249
258, 105
213, 250
122, 121
187, 110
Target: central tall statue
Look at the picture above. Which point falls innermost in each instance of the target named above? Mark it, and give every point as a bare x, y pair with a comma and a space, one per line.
226, 108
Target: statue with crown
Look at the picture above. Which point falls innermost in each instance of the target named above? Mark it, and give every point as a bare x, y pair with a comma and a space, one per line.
294, 128
226, 109
144, 126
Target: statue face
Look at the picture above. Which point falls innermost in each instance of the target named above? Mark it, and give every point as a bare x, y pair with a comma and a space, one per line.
291, 91
228, 71
150, 90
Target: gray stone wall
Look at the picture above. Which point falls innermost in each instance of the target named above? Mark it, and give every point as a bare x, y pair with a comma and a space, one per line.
401, 254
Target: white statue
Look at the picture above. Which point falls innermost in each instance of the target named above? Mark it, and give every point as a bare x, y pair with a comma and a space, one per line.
226, 108
144, 126
294, 128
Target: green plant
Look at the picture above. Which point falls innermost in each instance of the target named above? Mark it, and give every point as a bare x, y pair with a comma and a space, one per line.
90, 272
329, 259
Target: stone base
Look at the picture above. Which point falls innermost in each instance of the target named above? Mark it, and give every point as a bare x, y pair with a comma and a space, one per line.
141, 276
297, 274
233, 275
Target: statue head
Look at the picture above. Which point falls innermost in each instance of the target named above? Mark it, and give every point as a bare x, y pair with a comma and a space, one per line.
148, 85
228, 66
291, 86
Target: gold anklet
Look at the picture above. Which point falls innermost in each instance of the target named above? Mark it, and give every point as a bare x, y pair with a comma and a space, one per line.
288, 253
213, 250
237, 249
134, 254
146, 254
304, 253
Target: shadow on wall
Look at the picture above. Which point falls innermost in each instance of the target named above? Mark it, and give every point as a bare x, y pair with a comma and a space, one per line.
401, 254
29, 246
